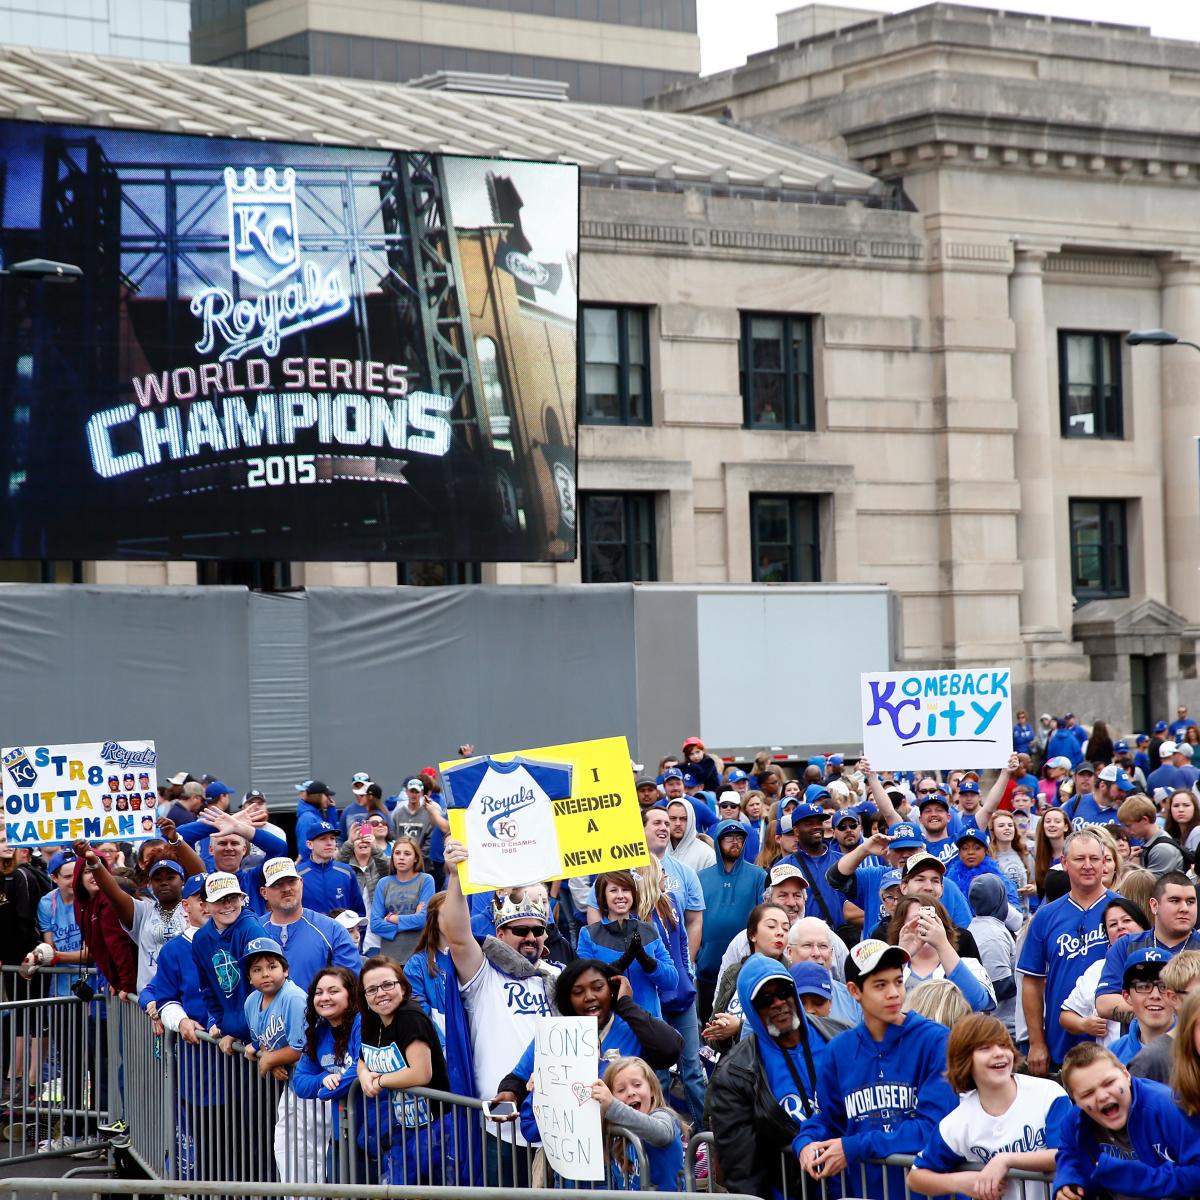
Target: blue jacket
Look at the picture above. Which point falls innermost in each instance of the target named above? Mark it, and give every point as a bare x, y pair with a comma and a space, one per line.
308, 1077
331, 885
429, 989
313, 943
682, 996
962, 877
1165, 1141
606, 941
1023, 736
308, 815
218, 958
816, 868
882, 1097
176, 980
1063, 743
728, 898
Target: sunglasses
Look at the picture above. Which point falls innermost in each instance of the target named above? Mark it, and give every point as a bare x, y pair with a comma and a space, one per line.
927, 791
765, 997
524, 931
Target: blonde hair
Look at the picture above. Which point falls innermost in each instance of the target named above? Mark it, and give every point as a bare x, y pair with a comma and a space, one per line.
1138, 886
651, 899
1181, 970
939, 1000
1185, 1063
613, 1148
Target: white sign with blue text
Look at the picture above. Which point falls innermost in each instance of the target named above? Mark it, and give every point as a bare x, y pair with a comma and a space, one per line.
102, 791
937, 720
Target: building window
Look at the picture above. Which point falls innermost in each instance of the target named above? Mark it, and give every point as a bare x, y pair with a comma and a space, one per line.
785, 539
614, 357
618, 537
1089, 370
259, 575
1099, 552
436, 574
775, 356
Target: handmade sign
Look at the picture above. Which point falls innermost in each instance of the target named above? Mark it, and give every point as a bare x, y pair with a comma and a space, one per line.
937, 720
102, 791
565, 1062
500, 807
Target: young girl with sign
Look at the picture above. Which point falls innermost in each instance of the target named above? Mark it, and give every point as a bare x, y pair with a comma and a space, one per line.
630, 1096
400, 1050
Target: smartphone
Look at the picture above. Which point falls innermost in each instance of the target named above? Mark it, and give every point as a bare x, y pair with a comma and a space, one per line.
502, 1110
929, 912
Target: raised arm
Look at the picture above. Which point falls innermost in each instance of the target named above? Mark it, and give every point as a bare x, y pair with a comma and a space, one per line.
121, 901
455, 918
996, 792
877, 843
179, 850
879, 795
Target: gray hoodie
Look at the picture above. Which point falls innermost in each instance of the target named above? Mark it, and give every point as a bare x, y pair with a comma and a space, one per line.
691, 850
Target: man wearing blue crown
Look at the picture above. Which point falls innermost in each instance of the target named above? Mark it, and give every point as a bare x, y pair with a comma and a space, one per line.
505, 985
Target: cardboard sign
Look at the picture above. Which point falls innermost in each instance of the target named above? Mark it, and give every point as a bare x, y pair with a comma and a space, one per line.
597, 822
102, 791
565, 1061
937, 720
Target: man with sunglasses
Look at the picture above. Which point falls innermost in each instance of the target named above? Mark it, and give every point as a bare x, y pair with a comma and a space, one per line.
1146, 996
505, 986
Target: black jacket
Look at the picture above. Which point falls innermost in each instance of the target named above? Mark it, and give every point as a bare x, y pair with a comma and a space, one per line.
753, 1135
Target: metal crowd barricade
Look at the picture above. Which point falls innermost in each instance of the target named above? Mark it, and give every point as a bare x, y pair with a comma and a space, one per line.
851, 1184
56, 1055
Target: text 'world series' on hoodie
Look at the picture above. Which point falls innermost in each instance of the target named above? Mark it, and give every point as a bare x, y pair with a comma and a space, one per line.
881, 1098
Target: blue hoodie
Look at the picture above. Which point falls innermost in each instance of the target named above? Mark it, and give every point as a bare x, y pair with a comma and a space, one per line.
882, 1098
1165, 1141
330, 885
218, 958
729, 895
1064, 744
774, 1059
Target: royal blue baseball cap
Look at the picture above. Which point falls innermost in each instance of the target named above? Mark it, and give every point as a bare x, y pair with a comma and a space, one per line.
904, 836
837, 760
1160, 726
263, 945
319, 830
1121, 746
815, 792
805, 811
846, 814
193, 885
723, 828
670, 773
973, 835
690, 780
1114, 774
216, 790
970, 786
167, 864
1152, 958
812, 979
1142, 738
938, 797
736, 776
60, 860
889, 879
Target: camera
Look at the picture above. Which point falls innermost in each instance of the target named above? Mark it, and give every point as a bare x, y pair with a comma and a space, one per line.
82, 990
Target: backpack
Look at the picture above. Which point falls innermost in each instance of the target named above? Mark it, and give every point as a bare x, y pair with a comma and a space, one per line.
1189, 859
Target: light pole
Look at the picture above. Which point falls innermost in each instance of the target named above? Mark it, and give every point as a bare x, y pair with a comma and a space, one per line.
1156, 337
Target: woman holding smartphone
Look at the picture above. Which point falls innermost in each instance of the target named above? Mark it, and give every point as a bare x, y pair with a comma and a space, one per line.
922, 926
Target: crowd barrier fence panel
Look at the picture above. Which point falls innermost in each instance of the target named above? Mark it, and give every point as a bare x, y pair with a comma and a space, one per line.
851, 1184
55, 1058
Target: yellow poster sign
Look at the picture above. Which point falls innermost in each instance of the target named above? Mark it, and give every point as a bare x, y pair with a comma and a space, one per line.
598, 825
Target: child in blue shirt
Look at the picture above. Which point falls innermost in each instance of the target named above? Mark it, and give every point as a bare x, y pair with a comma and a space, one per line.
630, 1096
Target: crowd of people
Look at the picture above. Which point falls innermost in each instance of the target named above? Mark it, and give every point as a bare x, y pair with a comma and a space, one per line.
823, 966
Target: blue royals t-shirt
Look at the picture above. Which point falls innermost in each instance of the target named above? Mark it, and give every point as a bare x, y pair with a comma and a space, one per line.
1063, 941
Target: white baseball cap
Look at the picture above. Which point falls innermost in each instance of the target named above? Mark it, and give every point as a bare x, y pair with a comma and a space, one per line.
275, 869
220, 884
360, 782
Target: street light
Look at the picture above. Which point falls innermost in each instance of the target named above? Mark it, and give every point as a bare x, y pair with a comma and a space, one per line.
1156, 337
45, 269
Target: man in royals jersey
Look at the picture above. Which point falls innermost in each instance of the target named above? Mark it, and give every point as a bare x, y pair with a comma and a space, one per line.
1065, 937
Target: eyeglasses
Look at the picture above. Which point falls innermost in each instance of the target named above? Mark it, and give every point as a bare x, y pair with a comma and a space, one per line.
846, 823
524, 931
375, 989
927, 791
765, 997
1143, 987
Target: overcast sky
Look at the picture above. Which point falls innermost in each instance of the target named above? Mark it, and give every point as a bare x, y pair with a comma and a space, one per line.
732, 29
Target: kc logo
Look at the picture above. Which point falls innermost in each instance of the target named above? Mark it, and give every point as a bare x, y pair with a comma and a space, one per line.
17, 764
264, 242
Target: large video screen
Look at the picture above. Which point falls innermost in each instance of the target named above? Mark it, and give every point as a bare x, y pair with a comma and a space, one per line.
282, 351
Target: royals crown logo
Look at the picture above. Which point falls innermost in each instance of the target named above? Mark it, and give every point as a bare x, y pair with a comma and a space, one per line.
264, 242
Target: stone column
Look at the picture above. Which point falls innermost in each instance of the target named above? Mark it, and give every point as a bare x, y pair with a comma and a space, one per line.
1036, 523
1180, 427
